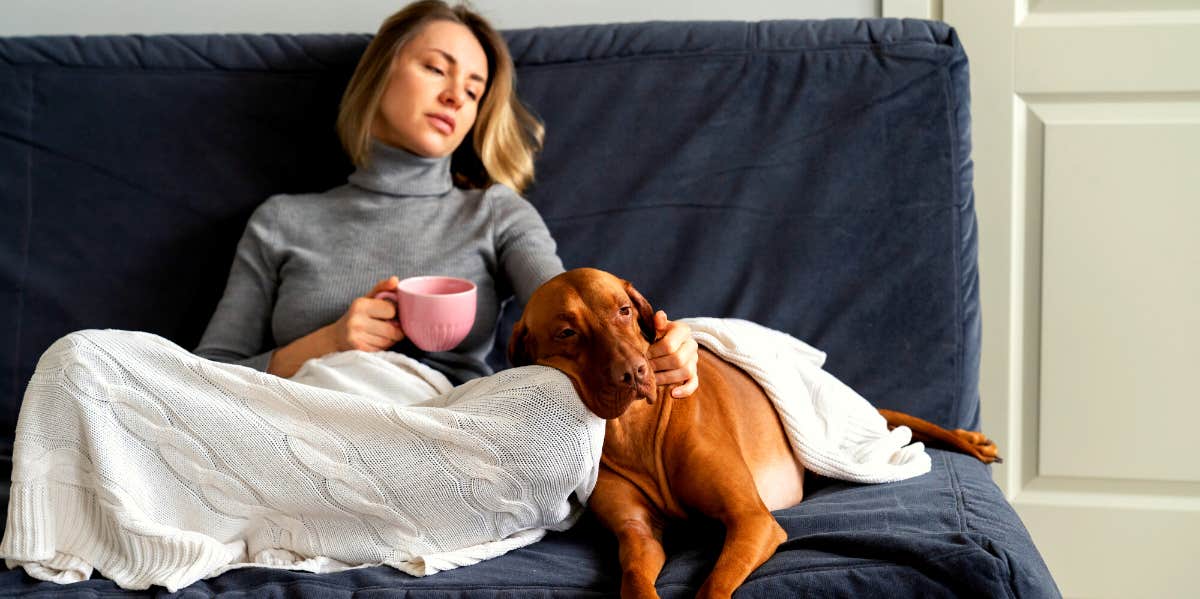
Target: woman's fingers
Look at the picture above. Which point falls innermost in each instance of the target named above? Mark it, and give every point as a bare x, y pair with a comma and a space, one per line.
687, 388
379, 318
674, 356
388, 284
374, 335
368, 325
373, 342
377, 309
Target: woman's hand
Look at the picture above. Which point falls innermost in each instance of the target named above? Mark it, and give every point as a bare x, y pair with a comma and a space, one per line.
674, 356
369, 324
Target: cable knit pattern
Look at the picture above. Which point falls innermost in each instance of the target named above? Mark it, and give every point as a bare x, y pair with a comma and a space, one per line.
833, 429
157, 467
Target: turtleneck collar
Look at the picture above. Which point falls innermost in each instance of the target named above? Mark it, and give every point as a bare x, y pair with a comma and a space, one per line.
398, 172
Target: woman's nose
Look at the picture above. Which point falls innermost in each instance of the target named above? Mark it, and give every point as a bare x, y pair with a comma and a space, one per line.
453, 96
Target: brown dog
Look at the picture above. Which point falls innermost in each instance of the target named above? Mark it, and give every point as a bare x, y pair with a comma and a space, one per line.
720, 453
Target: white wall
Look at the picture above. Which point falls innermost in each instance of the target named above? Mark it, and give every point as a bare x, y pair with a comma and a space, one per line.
81, 17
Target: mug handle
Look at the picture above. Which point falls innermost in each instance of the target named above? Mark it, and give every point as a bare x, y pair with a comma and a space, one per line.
393, 297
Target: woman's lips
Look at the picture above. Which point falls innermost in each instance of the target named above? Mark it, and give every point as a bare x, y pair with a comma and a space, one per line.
441, 123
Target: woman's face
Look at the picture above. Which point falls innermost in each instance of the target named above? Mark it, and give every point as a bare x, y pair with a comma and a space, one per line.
434, 86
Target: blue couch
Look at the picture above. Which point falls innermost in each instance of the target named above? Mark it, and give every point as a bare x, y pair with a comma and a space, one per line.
811, 176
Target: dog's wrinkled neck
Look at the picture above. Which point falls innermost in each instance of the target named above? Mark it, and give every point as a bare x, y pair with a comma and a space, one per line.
662, 393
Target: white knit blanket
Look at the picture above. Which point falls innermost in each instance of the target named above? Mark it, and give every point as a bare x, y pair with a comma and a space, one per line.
833, 430
157, 467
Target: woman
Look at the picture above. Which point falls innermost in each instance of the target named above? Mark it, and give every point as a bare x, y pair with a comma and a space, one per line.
166, 467
432, 78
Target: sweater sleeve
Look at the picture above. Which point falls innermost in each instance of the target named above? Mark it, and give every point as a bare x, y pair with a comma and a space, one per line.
239, 331
526, 252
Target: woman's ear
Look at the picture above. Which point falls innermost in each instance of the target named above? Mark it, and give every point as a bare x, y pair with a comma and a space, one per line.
644, 310
518, 346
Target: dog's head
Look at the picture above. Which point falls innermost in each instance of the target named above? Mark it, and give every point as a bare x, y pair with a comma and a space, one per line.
596, 328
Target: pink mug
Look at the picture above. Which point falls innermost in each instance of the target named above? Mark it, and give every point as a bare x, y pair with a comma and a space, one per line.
435, 312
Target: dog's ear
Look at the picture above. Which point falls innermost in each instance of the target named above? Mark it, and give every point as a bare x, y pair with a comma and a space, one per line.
644, 310
518, 347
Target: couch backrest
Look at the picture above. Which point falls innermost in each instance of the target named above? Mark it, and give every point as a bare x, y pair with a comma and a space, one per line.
811, 176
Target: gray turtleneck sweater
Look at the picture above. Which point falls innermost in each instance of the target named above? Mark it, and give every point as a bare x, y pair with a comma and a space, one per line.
304, 258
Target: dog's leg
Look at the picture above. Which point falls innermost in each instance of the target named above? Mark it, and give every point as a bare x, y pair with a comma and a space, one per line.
751, 538
719, 485
623, 509
968, 442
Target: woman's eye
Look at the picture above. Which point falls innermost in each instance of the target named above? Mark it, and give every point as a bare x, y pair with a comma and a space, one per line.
473, 95
434, 69
626, 310
566, 334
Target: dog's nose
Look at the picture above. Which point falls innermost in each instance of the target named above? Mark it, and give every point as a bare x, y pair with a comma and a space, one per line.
630, 372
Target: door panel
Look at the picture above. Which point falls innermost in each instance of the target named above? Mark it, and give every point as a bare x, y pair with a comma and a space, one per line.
1086, 137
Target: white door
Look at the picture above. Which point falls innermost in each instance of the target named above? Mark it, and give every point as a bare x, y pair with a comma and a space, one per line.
1086, 141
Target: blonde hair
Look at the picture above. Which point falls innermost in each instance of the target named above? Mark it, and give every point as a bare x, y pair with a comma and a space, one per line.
500, 146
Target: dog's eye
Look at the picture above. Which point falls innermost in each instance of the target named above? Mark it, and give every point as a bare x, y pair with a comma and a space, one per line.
565, 334
625, 310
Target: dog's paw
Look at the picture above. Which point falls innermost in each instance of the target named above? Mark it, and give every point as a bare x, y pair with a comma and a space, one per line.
978, 445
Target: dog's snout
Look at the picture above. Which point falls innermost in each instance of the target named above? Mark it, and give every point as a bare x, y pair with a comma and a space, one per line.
630, 370
629, 367
632, 373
